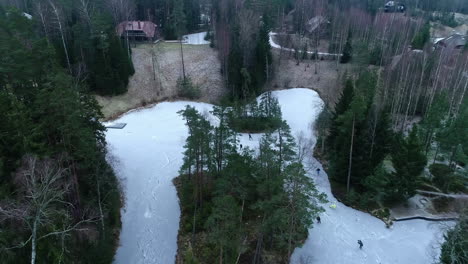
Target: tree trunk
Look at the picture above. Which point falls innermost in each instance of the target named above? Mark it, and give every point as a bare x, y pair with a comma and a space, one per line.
100, 204
194, 222
242, 210
437, 152
454, 152
374, 128
33, 241
62, 35
258, 249
350, 157
182, 55
221, 255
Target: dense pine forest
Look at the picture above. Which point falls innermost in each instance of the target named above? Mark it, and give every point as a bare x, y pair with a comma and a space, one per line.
239, 205
394, 125
60, 199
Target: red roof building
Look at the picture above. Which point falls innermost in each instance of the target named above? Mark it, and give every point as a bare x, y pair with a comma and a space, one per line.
137, 30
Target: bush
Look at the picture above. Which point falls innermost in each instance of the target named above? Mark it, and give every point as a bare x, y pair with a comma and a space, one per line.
189, 257
254, 124
445, 179
187, 89
208, 36
456, 245
422, 37
442, 204
255, 117
446, 19
382, 213
439, 170
352, 197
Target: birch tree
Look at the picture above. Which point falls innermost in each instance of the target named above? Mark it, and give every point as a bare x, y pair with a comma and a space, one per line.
61, 29
44, 186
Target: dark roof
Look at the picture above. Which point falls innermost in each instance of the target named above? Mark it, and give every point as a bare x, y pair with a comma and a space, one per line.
148, 27
455, 41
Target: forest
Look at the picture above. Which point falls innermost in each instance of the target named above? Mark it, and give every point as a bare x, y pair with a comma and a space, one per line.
239, 206
394, 125
60, 199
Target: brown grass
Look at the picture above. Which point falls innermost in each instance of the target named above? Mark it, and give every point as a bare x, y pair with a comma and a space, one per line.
326, 81
147, 86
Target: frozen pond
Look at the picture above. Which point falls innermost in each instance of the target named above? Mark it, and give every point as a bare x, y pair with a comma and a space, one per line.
148, 155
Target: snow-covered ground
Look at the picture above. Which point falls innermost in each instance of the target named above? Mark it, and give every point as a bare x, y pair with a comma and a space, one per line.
148, 155
196, 39
273, 44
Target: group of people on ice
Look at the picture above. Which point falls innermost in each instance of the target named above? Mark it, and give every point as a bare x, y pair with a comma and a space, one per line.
333, 205
319, 221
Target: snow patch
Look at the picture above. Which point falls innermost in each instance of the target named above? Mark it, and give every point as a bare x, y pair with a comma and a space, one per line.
196, 39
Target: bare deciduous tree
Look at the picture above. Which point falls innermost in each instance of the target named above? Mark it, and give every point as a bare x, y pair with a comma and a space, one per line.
61, 28
43, 185
121, 10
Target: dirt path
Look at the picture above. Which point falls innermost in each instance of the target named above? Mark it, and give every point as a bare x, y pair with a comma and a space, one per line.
147, 86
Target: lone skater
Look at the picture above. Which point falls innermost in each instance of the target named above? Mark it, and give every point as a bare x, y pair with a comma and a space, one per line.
250, 137
360, 244
241, 146
318, 171
318, 219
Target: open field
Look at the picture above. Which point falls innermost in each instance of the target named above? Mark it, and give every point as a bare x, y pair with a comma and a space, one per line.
323, 76
150, 85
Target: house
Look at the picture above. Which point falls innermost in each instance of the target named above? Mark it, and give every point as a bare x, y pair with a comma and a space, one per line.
455, 41
137, 30
393, 6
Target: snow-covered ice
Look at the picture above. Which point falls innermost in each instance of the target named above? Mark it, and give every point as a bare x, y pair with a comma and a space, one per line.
196, 39
148, 155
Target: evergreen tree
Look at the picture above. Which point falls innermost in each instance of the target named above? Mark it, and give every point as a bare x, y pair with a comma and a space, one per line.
224, 228
44, 113
454, 134
286, 145
432, 122
347, 50
235, 64
224, 139
176, 21
302, 203
340, 108
455, 248
192, 14
322, 126
422, 37
263, 55
383, 140
378, 183
409, 161
198, 155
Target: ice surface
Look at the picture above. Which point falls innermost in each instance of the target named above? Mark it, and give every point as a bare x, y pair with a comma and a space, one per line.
196, 39
148, 155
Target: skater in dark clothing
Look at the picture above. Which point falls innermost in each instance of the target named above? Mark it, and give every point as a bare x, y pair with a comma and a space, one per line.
250, 137
241, 146
360, 244
318, 171
318, 219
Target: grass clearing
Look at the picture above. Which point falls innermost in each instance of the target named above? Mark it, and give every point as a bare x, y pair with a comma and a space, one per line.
159, 83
